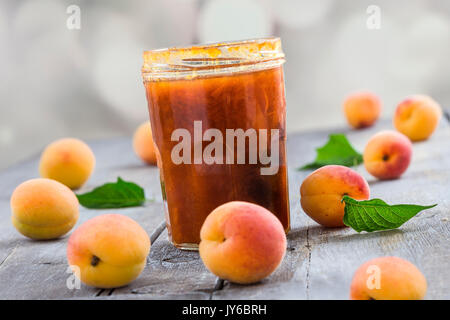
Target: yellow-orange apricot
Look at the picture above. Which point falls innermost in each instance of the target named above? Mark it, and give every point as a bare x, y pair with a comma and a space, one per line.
322, 191
417, 117
143, 144
43, 209
388, 278
109, 251
387, 154
242, 242
362, 109
69, 161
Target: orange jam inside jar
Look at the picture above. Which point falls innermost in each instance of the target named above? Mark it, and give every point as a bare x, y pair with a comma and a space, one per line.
231, 88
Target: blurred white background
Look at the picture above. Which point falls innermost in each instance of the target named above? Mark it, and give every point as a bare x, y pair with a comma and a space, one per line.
86, 83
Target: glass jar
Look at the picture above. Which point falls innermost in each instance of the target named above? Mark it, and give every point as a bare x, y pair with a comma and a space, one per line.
218, 117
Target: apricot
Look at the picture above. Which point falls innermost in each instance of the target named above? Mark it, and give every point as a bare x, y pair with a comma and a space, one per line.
362, 109
387, 155
388, 278
109, 250
242, 242
69, 161
143, 144
322, 191
43, 209
417, 117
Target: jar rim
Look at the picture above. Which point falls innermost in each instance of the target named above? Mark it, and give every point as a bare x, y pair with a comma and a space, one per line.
212, 59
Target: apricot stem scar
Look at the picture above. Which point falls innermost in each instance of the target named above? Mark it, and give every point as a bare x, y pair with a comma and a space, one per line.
385, 157
95, 260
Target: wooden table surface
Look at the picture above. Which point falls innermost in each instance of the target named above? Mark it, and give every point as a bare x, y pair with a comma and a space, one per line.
319, 262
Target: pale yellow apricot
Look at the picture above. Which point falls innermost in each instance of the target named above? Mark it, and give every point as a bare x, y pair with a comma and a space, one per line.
43, 209
69, 161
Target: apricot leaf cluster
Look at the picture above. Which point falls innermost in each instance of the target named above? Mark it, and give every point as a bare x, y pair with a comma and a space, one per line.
375, 214
120, 194
338, 151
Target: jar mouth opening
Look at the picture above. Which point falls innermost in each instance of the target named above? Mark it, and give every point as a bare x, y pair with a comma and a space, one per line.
214, 58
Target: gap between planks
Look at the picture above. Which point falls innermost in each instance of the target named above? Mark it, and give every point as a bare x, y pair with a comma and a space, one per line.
218, 286
9, 255
308, 266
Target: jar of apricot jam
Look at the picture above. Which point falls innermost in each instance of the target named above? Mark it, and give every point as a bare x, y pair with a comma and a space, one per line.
218, 116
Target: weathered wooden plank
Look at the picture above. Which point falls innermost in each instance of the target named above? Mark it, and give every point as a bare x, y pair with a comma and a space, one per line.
170, 272
37, 269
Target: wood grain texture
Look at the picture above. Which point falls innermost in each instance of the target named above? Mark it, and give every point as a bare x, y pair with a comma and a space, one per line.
170, 272
319, 262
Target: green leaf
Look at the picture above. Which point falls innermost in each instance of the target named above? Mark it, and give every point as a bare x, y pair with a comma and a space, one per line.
375, 214
120, 194
337, 150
